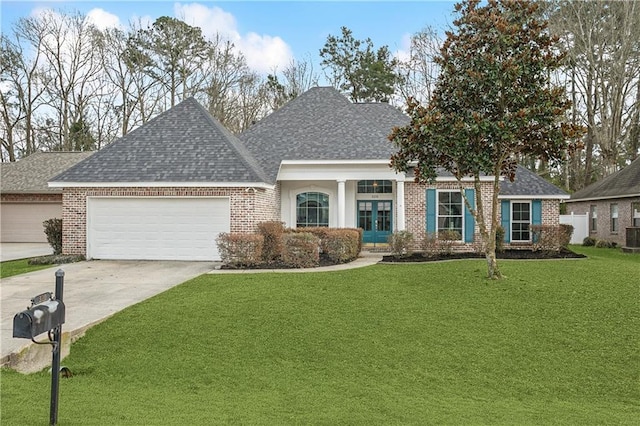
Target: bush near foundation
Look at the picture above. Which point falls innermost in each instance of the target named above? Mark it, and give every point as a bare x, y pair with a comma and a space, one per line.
272, 233
551, 238
239, 250
400, 243
53, 231
339, 244
300, 250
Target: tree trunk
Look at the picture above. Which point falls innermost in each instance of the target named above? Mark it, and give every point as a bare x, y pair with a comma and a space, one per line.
492, 265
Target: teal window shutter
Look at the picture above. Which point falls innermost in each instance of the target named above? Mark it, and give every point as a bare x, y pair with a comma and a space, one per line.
505, 219
469, 221
431, 211
536, 212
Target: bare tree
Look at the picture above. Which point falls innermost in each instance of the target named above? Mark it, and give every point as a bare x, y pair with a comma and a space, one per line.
602, 71
419, 72
24, 82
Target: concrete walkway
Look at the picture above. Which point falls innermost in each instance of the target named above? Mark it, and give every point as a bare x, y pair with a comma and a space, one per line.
95, 290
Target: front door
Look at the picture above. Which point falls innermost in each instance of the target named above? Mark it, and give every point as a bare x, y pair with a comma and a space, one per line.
375, 218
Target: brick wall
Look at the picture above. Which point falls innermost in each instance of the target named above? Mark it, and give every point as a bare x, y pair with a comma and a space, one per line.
249, 206
415, 204
603, 207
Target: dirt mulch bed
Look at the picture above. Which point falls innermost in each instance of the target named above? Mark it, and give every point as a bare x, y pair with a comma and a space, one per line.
507, 254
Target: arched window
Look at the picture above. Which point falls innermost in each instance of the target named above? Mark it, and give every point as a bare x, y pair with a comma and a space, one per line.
312, 209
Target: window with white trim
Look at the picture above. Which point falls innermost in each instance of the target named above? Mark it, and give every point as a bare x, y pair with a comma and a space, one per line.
312, 209
520, 221
450, 212
614, 217
593, 217
635, 215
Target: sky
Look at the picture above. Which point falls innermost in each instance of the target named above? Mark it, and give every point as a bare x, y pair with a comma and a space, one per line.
269, 33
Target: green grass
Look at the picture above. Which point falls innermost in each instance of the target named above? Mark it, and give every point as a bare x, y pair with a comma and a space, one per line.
556, 342
17, 267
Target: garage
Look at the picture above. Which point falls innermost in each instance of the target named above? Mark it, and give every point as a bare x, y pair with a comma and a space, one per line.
22, 222
155, 228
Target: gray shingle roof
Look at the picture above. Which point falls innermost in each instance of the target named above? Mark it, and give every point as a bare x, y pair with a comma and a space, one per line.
623, 183
184, 144
30, 174
321, 124
527, 183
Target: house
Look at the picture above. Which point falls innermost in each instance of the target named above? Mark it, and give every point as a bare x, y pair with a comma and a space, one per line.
612, 203
168, 188
25, 198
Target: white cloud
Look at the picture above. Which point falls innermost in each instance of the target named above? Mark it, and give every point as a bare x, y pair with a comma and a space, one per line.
262, 52
103, 19
403, 53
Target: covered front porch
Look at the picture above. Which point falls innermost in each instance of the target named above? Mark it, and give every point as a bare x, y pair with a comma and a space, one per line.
365, 195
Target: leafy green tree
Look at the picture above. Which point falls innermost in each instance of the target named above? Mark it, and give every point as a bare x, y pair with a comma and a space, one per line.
492, 103
358, 69
172, 52
80, 137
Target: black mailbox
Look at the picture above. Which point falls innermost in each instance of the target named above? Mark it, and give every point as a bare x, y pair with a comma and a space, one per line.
38, 319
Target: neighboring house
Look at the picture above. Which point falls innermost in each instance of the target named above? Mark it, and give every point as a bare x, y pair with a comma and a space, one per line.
25, 198
613, 204
168, 188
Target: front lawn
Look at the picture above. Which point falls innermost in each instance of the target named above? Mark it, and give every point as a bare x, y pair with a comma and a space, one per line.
17, 267
556, 342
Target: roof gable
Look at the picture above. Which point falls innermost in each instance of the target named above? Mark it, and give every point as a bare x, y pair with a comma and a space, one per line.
31, 174
623, 183
529, 184
185, 144
322, 124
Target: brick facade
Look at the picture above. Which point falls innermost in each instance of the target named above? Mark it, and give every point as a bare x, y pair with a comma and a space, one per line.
603, 222
249, 206
415, 205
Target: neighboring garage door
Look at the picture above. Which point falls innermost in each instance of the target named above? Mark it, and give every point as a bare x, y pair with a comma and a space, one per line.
155, 228
22, 222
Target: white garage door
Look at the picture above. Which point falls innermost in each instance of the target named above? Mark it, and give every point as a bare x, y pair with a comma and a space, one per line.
22, 222
155, 228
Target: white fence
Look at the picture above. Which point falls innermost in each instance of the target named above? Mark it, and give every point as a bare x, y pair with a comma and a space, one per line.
580, 224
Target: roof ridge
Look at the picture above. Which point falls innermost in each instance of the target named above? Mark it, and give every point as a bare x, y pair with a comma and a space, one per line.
235, 142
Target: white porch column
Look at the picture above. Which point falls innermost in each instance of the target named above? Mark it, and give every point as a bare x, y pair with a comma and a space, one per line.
342, 203
400, 224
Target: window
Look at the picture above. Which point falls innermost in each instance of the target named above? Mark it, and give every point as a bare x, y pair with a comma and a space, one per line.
520, 221
312, 209
593, 215
614, 217
635, 215
375, 187
450, 212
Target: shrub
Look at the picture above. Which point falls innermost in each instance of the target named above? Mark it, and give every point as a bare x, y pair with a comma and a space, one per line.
447, 239
400, 243
546, 237
53, 230
301, 250
589, 242
272, 233
429, 245
56, 259
606, 244
566, 231
240, 249
341, 245
500, 239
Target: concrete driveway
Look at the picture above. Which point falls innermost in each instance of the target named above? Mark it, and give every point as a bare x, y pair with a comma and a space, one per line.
14, 251
93, 291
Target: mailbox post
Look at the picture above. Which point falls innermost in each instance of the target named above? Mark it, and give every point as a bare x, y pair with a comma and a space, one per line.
46, 315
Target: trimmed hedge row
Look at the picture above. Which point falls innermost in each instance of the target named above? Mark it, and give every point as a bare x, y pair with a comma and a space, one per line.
298, 248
